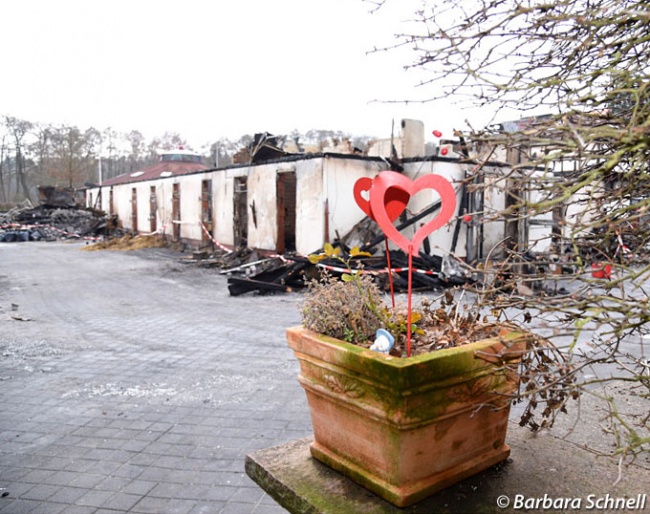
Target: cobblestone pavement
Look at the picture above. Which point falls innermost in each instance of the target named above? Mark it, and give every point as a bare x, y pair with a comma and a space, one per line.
130, 382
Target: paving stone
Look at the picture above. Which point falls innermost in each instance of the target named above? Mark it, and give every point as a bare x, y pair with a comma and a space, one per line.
238, 508
14, 489
79, 509
180, 491
155, 474
40, 492
122, 502
94, 498
270, 509
37, 476
247, 495
88, 481
9, 473
17, 506
62, 478
67, 495
219, 493
113, 483
151, 505
49, 508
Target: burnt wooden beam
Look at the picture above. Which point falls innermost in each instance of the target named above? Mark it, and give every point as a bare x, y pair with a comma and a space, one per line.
238, 286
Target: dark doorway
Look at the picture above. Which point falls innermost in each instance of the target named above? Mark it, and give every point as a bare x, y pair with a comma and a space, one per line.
134, 209
240, 218
176, 212
286, 208
153, 205
206, 209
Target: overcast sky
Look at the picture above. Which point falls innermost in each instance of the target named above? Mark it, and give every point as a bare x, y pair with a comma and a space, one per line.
212, 68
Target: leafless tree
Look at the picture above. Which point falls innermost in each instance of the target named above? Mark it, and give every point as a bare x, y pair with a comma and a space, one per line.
3, 155
73, 155
41, 149
172, 141
110, 140
137, 146
18, 129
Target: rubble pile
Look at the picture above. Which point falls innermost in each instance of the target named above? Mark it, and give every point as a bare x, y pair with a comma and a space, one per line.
248, 270
290, 272
27, 223
284, 273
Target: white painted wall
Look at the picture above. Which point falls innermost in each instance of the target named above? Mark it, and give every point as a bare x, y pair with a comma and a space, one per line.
224, 197
191, 212
262, 195
317, 179
330, 177
310, 206
164, 190
339, 176
190, 190
122, 204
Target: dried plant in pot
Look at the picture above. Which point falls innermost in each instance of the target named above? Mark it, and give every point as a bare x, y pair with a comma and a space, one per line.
404, 427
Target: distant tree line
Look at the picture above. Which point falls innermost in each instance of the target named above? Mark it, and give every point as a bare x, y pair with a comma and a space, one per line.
35, 154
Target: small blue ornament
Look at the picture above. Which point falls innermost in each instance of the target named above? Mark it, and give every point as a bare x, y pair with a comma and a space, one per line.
384, 341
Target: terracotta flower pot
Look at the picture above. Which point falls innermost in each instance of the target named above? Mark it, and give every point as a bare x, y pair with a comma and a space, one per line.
405, 428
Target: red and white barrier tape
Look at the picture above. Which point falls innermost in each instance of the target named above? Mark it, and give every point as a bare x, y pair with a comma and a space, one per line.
225, 248
278, 256
217, 243
376, 272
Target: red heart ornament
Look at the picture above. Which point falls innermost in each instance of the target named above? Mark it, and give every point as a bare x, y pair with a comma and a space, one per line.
395, 199
380, 198
363, 186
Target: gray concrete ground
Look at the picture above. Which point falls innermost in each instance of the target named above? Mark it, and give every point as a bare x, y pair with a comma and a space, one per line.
130, 382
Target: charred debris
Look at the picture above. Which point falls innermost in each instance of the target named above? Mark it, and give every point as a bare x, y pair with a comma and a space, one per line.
290, 272
60, 215
251, 272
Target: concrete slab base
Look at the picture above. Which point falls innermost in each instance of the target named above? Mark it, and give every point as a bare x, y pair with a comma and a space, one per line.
541, 467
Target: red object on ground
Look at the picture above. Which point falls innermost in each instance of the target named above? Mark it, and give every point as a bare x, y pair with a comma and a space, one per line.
601, 270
